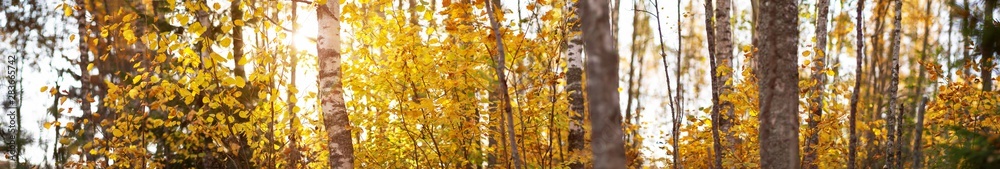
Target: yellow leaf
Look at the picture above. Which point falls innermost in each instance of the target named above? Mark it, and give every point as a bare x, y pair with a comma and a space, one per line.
196, 28
104, 33
182, 18
217, 57
67, 9
806, 53
238, 22
47, 125
129, 35
72, 37
93, 151
227, 27
228, 81
225, 42
117, 133
90, 66
132, 93
240, 82
829, 72
216, 6
136, 79
62, 100
242, 61
161, 58
64, 140
44, 88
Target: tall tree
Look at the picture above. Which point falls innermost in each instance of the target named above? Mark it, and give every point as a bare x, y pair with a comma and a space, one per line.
779, 122
574, 76
918, 156
723, 58
679, 112
852, 147
504, 96
710, 37
988, 45
331, 89
809, 161
607, 141
894, 114
918, 95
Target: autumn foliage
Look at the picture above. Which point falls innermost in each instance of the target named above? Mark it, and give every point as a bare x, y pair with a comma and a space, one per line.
229, 84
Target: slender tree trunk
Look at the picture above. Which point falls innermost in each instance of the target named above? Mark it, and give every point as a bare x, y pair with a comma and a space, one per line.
809, 161
494, 127
779, 122
630, 135
331, 91
293, 144
923, 57
918, 156
967, 25
574, 76
602, 85
894, 114
674, 105
987, 46
679, 112
919, 94
723, 58
508, 111
237, 14
852, 118
716, 106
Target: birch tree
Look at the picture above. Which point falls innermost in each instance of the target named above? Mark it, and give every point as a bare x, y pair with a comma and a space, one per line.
574, 87
331, 91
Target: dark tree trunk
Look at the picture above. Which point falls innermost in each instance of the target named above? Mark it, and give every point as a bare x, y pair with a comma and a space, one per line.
852, 118
809, 161
779, 122
602, 85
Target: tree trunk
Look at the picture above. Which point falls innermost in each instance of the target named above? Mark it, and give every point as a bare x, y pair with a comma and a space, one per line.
602, 85
852, 118
503, 83
894, 113
293, 144
331, 90
779, 122
723, 57
918, 156
987, 46
574, 76
710, 38
809, 161
679, 112
919, 93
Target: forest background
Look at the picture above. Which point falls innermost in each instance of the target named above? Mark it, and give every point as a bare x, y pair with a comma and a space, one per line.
233, 84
